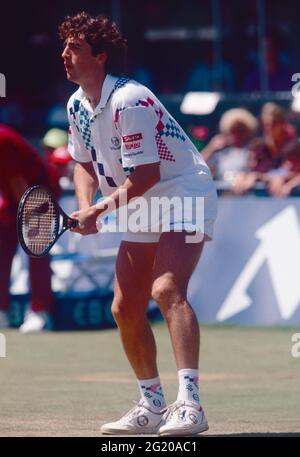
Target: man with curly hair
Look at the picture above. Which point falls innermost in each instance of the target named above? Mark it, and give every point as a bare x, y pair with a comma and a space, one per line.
125, 142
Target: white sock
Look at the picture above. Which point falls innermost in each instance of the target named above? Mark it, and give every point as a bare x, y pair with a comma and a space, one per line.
152, 393
188, 385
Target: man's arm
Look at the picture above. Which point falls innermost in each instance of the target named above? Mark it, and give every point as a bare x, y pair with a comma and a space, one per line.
86, 184
142, 179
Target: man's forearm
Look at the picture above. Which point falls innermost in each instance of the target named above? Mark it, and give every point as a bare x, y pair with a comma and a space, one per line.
86, 184
141, 180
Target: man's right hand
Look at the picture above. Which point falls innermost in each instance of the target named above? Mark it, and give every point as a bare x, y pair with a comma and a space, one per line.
87, 219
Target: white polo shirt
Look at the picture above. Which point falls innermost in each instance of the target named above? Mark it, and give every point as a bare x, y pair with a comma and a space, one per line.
131, 127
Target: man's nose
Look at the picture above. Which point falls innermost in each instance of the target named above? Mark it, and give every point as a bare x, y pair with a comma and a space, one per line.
64, 53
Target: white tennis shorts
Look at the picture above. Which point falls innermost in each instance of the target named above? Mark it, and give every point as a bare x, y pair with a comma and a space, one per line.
193, 208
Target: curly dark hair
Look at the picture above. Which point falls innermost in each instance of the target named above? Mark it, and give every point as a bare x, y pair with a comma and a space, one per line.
101, 34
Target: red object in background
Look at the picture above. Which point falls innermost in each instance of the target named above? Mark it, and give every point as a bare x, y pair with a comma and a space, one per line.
200, 132
292, 162
59, 156
19, 159
290, 130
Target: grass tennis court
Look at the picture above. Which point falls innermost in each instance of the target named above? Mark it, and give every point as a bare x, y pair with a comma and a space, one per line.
68, 384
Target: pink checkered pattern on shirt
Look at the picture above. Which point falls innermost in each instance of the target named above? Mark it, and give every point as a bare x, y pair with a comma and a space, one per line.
163, 150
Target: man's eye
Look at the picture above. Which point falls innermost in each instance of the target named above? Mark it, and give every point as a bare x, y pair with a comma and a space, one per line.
74, 46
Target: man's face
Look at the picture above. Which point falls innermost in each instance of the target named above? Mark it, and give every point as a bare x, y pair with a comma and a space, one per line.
78, 60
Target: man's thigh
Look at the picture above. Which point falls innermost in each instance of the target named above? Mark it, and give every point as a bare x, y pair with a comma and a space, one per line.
134, 270
176, 260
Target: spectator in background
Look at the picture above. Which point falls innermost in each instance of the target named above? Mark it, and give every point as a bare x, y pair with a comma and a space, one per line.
227, 153
21, 167
287, 178
285, 188
273, 156
53, 139
279, 72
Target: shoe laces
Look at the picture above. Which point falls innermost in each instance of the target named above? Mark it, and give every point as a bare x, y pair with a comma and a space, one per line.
171, 410
133, 412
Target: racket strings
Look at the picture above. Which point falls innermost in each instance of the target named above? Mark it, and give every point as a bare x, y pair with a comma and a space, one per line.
40, 221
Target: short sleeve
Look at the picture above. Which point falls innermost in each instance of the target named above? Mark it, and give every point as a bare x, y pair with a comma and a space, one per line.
76, 146
136, 127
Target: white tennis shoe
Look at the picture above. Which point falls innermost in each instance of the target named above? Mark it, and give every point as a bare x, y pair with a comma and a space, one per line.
35, 322
139, 420
183, 418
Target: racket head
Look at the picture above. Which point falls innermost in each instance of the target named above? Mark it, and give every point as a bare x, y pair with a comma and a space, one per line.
38, 221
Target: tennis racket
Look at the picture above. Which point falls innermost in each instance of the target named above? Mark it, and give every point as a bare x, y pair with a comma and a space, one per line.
40, 221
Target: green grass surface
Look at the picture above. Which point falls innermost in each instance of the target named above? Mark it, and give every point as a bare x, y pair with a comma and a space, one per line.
69, 384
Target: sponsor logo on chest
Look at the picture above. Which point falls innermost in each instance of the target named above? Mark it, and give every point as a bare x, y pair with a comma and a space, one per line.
115, 143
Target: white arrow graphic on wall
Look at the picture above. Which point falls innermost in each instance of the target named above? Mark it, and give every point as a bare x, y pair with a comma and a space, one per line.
280, 248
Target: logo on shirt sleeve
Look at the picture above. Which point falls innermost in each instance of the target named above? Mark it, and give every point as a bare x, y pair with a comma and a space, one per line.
132, 141
131, 138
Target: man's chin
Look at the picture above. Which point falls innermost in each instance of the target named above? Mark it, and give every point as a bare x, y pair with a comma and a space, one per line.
71, 77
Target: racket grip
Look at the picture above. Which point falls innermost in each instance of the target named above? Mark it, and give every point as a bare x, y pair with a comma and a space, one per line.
72, 223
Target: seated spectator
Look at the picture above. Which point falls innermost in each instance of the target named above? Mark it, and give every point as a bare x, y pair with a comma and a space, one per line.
285, 189
227, 153
53, 139
275, 155
287, 177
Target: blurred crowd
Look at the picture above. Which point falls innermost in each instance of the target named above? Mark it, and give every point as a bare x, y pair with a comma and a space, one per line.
247, 151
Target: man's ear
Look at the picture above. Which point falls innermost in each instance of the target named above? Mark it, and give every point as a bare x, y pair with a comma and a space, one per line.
101, 58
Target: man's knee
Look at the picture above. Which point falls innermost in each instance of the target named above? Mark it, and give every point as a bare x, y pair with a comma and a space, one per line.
166, 293
127, 311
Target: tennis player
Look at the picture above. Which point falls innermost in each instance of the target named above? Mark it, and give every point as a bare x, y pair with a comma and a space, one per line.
124, 141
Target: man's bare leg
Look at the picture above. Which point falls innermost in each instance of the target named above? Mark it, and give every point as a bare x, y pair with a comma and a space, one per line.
133, 280
174, 264
132, 292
